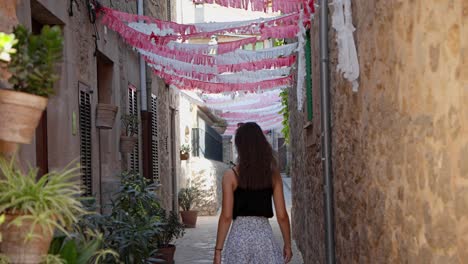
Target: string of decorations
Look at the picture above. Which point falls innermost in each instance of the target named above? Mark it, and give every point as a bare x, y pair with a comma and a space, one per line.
222, 67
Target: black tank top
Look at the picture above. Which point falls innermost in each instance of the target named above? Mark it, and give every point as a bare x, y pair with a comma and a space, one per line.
252, 202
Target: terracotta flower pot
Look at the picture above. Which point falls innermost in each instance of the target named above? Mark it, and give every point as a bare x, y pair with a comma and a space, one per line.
105, 115
127, 144
167, 253
184, 156
17, 249
189, 218
19, 115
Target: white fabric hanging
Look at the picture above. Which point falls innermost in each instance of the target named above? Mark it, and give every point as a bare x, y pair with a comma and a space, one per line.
348, 63
301, 64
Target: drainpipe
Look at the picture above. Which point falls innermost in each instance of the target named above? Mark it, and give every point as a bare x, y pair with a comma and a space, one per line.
144, 101
326, 134
145, 115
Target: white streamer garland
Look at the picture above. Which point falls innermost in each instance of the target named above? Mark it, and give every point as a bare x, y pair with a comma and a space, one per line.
240, 56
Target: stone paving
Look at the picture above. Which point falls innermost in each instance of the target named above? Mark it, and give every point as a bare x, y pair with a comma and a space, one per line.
197, 245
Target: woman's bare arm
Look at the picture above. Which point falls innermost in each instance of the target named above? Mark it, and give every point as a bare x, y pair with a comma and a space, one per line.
225, 218
280, 208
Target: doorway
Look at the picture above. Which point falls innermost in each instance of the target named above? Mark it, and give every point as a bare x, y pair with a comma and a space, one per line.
105, 72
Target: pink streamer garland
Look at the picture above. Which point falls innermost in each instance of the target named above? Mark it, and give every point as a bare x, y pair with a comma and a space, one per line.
285, 6
237, 115
188, 84
162, 24
141, 40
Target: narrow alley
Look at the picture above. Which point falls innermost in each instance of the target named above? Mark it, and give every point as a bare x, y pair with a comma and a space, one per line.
120, 118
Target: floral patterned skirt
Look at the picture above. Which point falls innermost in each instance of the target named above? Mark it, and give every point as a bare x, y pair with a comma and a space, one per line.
251, 241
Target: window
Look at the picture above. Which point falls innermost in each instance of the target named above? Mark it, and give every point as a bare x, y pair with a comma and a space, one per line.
85, 139
154, 139
133, 110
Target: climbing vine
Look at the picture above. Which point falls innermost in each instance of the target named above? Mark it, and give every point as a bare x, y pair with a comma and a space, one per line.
285, 112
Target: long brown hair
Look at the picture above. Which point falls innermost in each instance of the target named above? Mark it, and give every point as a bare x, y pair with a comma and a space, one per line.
255, 161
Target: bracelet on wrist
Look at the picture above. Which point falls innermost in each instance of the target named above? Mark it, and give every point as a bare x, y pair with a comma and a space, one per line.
218, 249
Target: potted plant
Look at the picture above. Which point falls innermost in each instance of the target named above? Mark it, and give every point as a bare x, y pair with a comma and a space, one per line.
134, 222
172, 229
187, 197
184, 152
35, 208
128, 140
32, 64
105, 115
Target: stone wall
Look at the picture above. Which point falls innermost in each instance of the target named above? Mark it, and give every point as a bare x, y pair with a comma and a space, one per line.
206, 175
400, 144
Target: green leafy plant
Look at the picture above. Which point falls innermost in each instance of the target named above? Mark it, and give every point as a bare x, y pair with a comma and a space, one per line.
53, 259
52, 202
278, 42
4, 259
185, 149
172, 229
2, 219
86, 244
33, 65
187, 197
135, 220
6, 46
130, 124
284, 94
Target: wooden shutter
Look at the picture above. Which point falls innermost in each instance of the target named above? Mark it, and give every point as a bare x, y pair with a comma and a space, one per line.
85, 140
133, 110
154, 139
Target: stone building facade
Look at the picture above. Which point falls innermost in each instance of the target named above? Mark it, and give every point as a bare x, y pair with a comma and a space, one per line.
105, 71
399, 145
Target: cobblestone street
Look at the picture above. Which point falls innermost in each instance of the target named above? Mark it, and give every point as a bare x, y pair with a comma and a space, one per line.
197, 244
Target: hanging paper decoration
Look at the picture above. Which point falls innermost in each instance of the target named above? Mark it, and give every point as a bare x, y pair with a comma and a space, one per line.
190, 84
268, 109
285, 6
239, 85
236, 104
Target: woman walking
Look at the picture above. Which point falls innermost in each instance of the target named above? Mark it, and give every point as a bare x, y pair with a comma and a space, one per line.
248, 189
